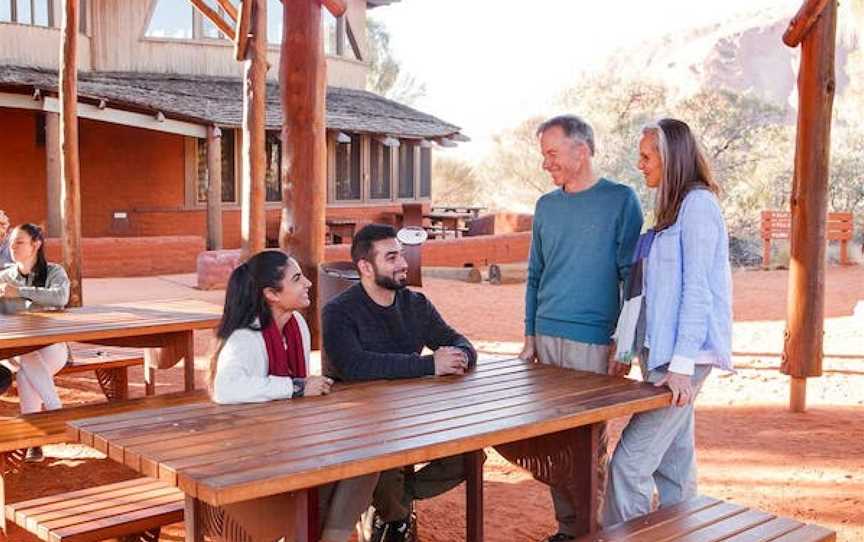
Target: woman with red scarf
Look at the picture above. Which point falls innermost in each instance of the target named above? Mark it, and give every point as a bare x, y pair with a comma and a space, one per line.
263, 355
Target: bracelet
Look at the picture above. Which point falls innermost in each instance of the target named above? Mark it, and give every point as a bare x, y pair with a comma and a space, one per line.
299, 385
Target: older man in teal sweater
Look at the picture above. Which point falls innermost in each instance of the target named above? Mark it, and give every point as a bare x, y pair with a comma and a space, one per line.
582, 245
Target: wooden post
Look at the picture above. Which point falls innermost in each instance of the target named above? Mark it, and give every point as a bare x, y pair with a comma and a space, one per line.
214, 188
802, 351
252, 193
70, 188
303, 85
52, 174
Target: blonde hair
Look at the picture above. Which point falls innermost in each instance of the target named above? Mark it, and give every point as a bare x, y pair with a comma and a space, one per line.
684, 168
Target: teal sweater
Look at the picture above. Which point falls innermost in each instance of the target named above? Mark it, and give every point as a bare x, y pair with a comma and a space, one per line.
581, 249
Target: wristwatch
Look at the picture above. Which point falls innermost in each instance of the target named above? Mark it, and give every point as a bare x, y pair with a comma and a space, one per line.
299, 385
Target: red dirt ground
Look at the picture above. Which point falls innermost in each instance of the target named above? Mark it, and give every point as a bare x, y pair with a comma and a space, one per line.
751, 449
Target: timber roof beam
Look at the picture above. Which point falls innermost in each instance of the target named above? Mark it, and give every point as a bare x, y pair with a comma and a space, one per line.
213, 16
804, 20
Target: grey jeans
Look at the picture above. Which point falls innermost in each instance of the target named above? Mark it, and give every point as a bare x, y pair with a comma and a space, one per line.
657, 450
583, 357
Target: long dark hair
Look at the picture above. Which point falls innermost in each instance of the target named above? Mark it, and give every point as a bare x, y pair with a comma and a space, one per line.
684, 168
40, 270
244, 297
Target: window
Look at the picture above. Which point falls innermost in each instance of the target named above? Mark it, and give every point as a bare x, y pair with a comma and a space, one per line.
29, 12
406, 170
274, 21
330, 31
208, 29
273, 173
425, 172
229, 187
173, 19
348, 169
380, 160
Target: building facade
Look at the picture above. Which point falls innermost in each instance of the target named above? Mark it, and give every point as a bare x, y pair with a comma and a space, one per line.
154, 75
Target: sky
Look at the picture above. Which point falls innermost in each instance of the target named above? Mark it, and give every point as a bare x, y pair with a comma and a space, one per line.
488, 64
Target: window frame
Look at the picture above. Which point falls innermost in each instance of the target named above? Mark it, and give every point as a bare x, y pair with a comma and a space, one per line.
344, 34
52, 10
385, 164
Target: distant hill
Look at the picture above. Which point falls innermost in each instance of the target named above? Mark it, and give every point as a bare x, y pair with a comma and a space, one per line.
744, 54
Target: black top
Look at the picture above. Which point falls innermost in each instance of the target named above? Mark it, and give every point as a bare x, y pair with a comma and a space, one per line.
365, 341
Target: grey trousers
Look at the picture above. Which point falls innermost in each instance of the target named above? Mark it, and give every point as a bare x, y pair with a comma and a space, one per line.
395, 491
341, 504
583, 357
657, 450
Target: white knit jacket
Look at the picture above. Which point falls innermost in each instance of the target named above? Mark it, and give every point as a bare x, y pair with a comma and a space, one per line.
242, 368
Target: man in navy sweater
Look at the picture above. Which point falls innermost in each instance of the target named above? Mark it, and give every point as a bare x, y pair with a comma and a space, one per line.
583, 237
377, 329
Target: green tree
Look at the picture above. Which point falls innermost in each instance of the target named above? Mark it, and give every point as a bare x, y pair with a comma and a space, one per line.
385, 76
455, 182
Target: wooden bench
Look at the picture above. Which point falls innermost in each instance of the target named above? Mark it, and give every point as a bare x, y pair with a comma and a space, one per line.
778, 225
131, 510
111, 365
706, 519
50, 427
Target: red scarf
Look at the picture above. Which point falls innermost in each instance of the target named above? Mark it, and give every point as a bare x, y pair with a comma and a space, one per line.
286, 358
285, 349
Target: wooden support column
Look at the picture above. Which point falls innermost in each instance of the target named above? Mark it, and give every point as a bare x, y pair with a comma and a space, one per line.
252, 193
802, 351
70, 188
303, 85
52, 174
214, 188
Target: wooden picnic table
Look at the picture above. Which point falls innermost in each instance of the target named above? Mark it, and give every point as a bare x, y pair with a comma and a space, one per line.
473, 210
223, 454
164, 327
449, 220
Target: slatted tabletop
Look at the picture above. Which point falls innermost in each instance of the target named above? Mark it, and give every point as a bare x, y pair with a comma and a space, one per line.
95, 322
164, 327
229, 453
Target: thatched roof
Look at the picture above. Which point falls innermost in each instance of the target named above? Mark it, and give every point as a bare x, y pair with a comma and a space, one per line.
219, 100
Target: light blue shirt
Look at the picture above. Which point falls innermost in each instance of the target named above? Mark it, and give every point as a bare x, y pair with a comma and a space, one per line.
689, 289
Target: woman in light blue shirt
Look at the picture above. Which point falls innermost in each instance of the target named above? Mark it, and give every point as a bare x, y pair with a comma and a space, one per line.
687, 322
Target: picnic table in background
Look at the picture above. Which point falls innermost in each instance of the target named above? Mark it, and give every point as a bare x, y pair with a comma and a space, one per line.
165, 328
223, 454
473, 210
453, 221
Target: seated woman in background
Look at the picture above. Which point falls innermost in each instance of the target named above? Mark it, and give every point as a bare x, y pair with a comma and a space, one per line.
34, 284
263, 355
5, 255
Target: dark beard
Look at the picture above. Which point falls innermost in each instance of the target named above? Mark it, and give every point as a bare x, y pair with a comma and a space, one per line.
388, 282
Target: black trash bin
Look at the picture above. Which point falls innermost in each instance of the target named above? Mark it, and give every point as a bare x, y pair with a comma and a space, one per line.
333, 279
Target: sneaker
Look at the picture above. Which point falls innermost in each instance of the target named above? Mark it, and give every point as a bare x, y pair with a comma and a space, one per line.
393, 531
34, 455
560, 537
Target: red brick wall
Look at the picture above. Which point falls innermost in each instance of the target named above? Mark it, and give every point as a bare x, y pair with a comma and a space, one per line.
214, 267
22, 167
134, 256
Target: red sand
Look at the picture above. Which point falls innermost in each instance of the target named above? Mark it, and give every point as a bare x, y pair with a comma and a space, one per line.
751, 449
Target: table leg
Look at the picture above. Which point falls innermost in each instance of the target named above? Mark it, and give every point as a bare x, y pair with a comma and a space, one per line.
189, 360
2, 492
474, 494
587, 477
193, 520
307, 528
